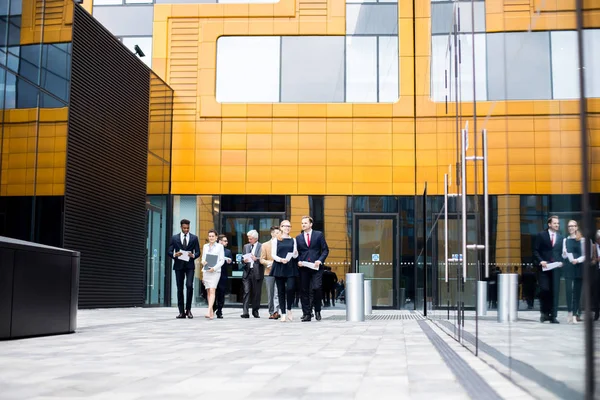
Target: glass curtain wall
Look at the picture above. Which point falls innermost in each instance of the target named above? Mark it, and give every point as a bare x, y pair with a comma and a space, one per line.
503, 93
378, 228
35, 65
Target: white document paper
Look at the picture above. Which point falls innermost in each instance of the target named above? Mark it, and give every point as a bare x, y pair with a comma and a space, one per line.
184, 256
553, 265
289, 256
570, 257
248, 258
310, 265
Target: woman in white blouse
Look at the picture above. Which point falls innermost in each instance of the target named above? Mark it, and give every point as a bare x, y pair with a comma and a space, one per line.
211, 276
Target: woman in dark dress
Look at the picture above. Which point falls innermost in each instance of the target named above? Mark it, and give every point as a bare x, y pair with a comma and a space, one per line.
574, 254
284, 270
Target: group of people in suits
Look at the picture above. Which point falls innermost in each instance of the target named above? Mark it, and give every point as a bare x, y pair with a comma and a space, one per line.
557, 257
279, 261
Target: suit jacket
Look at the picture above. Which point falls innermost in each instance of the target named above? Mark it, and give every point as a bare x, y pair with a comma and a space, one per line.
266, 258
318, 249
193, 245
223, 278
543, 249
258, 270
595, 259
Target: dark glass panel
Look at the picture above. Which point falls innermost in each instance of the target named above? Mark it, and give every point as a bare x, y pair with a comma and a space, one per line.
244, 203
15, 217
49, 220
386, 204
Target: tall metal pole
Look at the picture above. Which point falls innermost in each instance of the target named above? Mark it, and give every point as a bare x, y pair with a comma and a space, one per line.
486, 204
463, 198
446, 228
586, 219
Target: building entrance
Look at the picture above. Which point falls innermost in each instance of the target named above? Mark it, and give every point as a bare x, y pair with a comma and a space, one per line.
235, 226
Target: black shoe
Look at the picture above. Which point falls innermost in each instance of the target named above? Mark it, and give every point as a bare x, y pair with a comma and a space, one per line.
255, 315
543, 318
305, 318
245, 316
554, 321
180, 316
318, 315
220, 316
189, 314
596, 315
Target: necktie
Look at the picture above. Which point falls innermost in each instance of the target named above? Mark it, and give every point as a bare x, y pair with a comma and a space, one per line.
552, 239
308, 239
184, 240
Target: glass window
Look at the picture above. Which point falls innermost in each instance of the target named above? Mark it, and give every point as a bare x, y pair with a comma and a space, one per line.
139, 1
591, 42
312, 69
565, 64
361, 69
441, 65
389, 90
10, 30
126, 21
371, 19
253, 203
106, 3
248, 69
442, 17
26, 94
29, 64
565, 78
385, 204
145, 43
518, 64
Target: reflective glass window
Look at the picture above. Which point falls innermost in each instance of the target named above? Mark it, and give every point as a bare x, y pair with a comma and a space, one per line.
371, 19
361, 69
248, 69
519, 65
312, 69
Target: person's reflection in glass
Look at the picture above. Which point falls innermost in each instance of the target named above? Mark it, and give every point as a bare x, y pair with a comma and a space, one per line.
573, 253
596, 268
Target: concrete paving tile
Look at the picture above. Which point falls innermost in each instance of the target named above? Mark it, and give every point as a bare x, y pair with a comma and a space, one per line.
145, 354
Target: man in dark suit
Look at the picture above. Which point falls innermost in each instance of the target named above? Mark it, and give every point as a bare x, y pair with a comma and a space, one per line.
181, 244
548, 249
312, 248
222, 287
252, 278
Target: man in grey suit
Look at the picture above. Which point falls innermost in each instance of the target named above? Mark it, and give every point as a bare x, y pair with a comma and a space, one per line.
254, 273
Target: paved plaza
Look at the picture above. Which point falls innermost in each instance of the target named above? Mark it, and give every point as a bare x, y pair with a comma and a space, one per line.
145, 353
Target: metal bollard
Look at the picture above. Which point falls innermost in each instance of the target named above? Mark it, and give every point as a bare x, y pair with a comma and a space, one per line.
482, 305
355, 293
368, 299
508, 301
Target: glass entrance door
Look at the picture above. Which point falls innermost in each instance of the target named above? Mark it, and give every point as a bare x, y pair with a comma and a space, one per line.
155, 266
375, 256
235, 226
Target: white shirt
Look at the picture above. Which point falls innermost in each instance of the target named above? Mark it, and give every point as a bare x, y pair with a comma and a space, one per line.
552, 237
252, 250
217, 249
309, 233
182, 235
